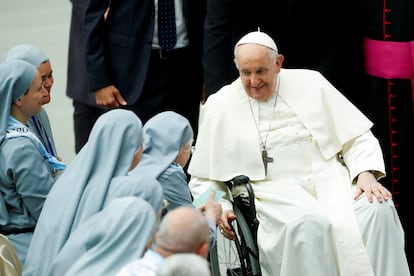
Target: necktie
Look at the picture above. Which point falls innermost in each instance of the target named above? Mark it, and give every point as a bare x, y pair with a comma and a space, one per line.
166, 24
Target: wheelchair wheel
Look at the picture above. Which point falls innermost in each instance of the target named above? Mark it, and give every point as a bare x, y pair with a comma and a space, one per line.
238, 257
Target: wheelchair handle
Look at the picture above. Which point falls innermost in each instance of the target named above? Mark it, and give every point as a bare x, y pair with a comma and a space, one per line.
242, 180
237, 181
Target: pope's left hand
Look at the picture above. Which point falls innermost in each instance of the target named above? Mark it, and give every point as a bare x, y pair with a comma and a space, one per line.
368, 184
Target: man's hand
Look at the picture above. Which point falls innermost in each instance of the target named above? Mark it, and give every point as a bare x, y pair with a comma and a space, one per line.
227, 217
109, 97
367, 183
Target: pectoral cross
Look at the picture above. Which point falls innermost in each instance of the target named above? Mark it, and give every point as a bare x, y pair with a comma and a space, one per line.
266, 159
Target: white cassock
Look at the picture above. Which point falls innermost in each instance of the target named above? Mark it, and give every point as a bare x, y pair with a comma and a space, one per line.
309, 222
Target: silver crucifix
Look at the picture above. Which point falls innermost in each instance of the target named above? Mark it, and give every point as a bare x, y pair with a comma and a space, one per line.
266, 159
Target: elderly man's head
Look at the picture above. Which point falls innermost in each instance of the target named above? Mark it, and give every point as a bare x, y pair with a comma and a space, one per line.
184, 230
257, 59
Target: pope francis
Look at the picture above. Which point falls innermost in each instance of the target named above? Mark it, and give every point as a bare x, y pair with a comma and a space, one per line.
313, 163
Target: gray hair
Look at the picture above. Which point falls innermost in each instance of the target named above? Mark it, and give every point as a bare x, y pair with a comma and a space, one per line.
272, 55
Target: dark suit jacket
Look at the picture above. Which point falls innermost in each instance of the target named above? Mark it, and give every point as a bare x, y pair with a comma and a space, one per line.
77, 80
118, 50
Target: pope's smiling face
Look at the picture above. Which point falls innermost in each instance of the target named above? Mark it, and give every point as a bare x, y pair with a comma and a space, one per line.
258, 68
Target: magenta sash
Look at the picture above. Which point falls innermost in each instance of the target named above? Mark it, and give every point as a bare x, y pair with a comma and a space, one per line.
390, 60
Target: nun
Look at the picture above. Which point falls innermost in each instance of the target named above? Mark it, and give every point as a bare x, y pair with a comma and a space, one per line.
111, 238
113, 148
26, 169
168, 138
39, 123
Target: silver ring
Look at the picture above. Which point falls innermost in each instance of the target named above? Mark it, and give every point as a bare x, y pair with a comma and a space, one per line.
221, 230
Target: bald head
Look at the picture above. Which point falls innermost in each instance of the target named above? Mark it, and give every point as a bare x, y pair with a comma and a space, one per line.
183, 229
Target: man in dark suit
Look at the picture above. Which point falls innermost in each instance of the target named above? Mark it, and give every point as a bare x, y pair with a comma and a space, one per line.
86, 111
126, 66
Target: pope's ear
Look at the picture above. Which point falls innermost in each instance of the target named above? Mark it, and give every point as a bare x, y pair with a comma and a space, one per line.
279, 60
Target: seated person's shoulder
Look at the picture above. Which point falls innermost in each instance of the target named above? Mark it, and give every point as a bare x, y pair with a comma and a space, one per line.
302, 77
302, 71
173, 169
19, 148
226, 95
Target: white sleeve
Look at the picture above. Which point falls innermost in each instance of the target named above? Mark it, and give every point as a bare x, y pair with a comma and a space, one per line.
364, 154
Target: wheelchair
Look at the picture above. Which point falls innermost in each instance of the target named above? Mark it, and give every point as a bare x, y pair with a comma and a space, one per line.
241, 256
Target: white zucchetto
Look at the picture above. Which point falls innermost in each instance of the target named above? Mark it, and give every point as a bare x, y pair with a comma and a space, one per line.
258, 38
